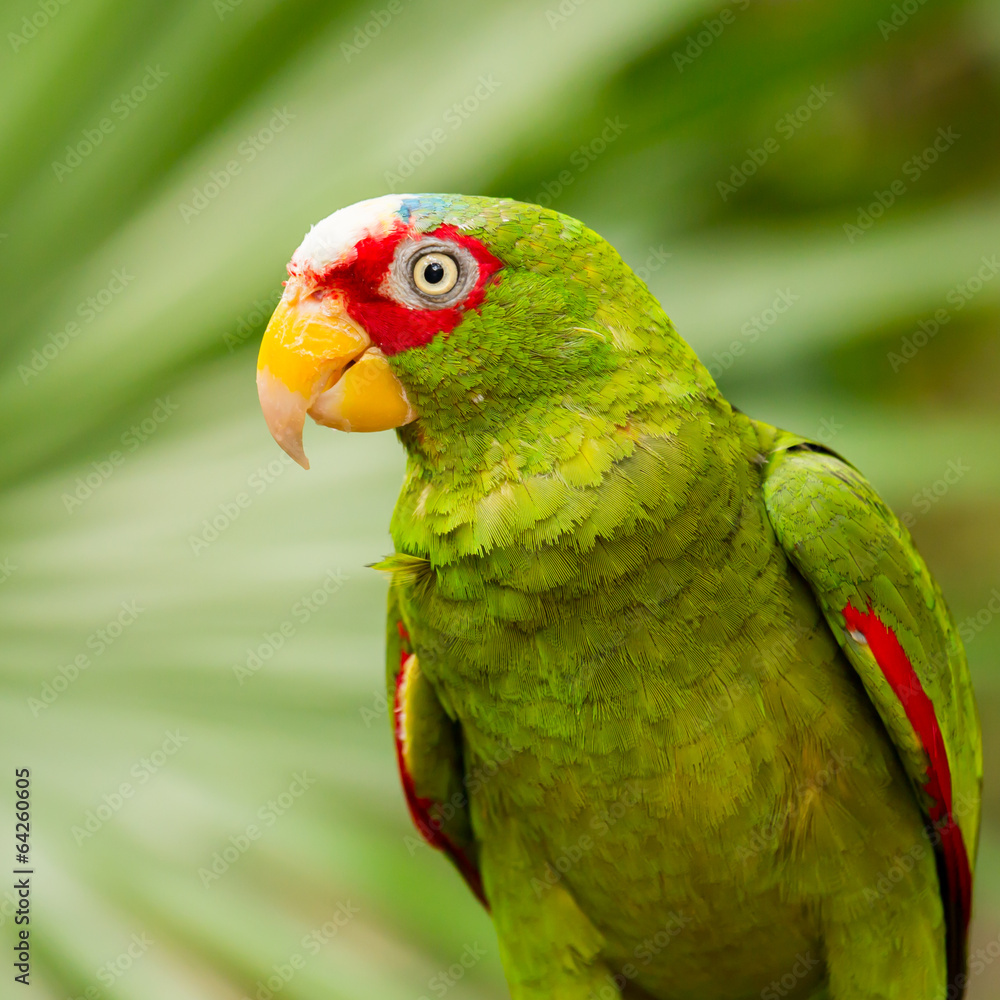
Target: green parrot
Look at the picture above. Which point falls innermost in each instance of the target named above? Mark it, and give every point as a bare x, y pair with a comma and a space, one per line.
671, 687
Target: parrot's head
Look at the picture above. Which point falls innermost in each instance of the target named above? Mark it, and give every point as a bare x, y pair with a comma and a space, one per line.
453, 314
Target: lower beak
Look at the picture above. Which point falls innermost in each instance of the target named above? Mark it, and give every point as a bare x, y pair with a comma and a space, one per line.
315, 359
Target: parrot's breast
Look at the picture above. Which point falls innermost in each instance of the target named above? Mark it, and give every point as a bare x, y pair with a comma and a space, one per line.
670, 733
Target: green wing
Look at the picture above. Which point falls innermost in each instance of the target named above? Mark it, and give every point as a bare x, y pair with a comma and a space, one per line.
888, 614
428, 748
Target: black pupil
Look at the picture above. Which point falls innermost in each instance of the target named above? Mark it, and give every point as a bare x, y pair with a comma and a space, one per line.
433, 272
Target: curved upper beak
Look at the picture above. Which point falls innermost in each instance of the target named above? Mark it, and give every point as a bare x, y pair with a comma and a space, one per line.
315, 359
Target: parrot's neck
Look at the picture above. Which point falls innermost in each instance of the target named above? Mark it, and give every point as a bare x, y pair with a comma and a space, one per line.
565, 476
539, 592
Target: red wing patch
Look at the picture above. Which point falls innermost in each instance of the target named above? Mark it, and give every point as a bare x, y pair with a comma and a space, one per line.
954, 872
421, 809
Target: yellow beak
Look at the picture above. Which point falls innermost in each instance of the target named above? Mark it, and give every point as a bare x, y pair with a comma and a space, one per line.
315, 359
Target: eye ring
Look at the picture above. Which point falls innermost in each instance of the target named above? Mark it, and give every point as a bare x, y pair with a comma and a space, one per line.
404, 281
435, 273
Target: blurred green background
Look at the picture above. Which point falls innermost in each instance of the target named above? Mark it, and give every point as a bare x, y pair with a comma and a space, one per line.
771, 165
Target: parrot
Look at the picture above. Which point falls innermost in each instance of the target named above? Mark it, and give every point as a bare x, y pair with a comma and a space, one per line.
671, 687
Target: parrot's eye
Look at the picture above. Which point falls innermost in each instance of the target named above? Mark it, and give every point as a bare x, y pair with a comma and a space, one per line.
428, 273
435, 273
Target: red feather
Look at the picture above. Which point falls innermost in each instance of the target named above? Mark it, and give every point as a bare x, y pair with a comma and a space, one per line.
392, 326
420, 807
954, 871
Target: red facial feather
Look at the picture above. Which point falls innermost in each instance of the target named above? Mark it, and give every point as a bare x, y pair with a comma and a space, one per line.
392, 326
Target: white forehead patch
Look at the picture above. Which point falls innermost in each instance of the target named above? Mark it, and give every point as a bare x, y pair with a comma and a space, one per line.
332, 241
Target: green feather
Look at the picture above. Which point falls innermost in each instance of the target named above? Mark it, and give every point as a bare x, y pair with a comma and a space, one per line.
626, 603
